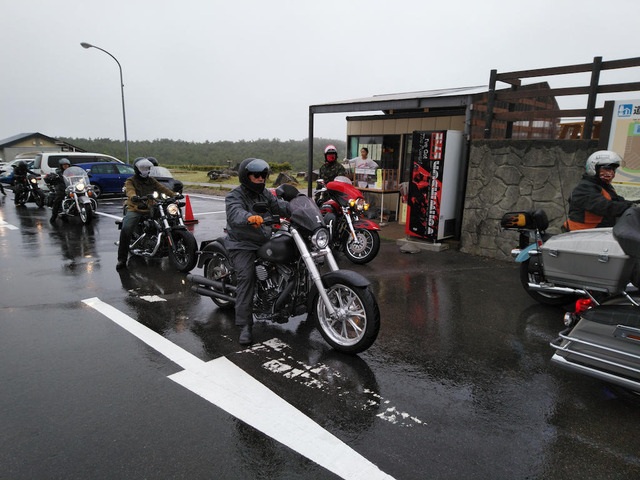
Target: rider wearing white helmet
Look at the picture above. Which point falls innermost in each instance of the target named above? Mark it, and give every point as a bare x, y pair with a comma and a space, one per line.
594, 202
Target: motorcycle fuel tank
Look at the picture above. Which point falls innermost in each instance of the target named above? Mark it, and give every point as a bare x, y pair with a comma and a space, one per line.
590, 259
280, 249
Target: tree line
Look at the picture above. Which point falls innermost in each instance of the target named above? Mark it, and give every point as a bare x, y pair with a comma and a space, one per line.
222, 153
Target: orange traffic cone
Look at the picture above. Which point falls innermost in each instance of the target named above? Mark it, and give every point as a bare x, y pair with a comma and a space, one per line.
188, 213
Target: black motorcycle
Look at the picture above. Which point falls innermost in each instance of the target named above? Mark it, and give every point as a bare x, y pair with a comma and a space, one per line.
163, 233
26, 189
289, 282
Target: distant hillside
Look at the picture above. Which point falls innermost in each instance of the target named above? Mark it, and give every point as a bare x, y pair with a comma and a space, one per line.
178, 152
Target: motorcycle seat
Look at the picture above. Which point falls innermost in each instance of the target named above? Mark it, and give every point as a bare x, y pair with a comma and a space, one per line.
628, 315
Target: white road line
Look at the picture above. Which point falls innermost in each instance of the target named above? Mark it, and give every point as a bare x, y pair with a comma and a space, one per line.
8, 225
108, 215
227, 386
208, 213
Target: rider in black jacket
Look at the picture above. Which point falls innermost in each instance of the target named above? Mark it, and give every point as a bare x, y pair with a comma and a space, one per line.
20, 172
594, 202
246, 235
56, 182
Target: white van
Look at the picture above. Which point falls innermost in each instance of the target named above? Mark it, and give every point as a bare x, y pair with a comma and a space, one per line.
47, 162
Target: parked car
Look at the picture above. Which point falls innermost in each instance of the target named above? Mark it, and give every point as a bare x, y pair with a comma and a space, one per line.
47, 162
163, 175
107, 177
6, 173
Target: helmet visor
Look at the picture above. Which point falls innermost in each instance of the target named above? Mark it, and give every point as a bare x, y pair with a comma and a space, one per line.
258, 168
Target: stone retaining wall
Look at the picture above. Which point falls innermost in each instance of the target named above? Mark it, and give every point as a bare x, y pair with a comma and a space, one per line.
511, 175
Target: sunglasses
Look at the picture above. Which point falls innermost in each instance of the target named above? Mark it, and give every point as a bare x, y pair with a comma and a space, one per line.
260, 174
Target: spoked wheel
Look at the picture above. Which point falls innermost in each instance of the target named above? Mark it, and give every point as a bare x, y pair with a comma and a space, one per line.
364, 247
546, 298
183, 255
219, 268
355, 324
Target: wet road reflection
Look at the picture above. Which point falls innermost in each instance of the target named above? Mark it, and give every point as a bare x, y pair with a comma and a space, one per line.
458, 384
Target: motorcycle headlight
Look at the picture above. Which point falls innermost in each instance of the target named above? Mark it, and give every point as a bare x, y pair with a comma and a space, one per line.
80, 187
320, 238
359, 204
173, 209
33, 180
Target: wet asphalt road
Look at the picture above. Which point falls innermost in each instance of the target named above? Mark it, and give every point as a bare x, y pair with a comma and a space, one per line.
458, 384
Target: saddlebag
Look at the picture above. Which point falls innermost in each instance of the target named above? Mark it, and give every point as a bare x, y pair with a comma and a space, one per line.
591, 259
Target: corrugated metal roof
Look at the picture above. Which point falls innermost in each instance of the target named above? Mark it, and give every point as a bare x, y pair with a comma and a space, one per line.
441, 97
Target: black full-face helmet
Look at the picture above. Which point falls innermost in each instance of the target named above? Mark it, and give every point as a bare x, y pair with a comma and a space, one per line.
257, 167
142, 167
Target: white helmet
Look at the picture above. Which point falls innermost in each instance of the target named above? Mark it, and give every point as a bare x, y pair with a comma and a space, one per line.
600, 158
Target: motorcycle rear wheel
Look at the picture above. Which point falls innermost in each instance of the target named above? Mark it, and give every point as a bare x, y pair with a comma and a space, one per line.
220, 269
545, 298
183, 254
355, 326
365, 248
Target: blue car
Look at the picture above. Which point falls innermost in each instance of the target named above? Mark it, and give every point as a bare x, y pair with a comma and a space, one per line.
107, 177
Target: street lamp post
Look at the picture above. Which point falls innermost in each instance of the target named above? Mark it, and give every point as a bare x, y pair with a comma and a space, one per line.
124, 117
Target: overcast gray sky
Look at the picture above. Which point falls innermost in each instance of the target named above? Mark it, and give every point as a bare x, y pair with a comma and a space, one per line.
213, 70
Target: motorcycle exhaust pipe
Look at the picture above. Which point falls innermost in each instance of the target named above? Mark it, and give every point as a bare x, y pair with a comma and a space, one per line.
211, 293
210, 283
562, 290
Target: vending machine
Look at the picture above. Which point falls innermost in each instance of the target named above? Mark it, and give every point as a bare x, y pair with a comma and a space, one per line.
434, 192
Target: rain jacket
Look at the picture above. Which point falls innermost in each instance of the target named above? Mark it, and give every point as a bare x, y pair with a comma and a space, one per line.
594, 203
138, 186
329, 171
239, 204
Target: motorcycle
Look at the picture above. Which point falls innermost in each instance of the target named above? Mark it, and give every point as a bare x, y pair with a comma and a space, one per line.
289, 282
27, 190
343, 206
602, 339
163, 233
559, 269
79, 199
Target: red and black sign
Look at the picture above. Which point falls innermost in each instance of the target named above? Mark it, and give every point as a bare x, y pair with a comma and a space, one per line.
425, 188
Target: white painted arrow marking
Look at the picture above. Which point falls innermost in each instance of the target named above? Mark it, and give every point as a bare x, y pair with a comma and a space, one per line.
230, 388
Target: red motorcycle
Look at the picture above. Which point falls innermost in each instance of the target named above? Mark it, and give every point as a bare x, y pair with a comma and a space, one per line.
343, 207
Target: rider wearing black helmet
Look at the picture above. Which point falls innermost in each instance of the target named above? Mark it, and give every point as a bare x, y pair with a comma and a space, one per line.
140, 185
20, 171
56, 182
246, 235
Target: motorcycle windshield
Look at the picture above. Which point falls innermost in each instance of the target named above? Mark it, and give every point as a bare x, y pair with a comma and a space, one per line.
75, 175
305, 213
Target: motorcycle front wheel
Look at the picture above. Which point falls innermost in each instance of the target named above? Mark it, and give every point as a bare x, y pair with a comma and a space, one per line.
86, 214
220, 269
364, 247
20, 198
356, 322
546, 298
39, 197
183, 254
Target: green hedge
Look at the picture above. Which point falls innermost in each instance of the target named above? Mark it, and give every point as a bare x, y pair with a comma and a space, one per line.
275, 167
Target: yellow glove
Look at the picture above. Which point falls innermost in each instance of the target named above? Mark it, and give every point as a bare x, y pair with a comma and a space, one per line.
255, 220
